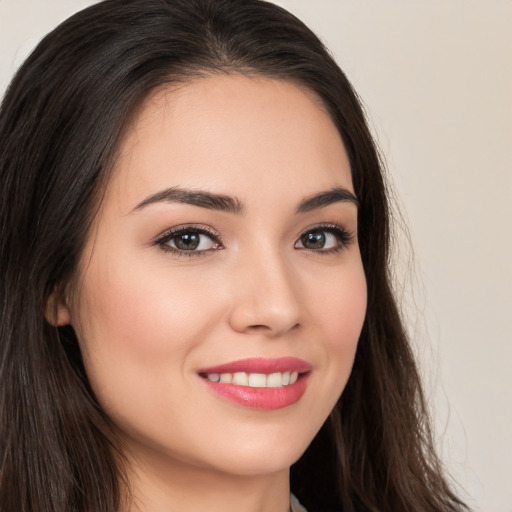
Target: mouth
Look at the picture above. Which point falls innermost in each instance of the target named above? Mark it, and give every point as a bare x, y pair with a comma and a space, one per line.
265, 384
254, 380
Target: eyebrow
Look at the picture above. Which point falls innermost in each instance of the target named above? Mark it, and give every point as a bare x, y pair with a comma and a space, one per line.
195, 198
234, 205
323, 199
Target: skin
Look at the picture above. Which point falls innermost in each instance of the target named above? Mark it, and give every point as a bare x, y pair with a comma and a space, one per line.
147, 319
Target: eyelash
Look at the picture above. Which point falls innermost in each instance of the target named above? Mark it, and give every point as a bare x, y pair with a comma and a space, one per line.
163, 241
344, 238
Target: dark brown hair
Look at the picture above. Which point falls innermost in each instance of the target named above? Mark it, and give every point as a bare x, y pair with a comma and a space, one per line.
60, 123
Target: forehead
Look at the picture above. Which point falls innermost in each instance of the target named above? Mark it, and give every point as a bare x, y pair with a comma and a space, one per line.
235, 132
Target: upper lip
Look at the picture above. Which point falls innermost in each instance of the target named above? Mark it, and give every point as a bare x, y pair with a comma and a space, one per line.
260, 365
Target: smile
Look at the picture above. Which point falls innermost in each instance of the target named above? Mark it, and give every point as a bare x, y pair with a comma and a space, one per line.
257, 383
255, 380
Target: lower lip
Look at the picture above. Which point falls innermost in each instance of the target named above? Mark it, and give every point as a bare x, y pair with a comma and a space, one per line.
268, 399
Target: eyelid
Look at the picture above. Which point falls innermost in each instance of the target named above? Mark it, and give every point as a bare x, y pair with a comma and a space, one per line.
345, 237
162, 239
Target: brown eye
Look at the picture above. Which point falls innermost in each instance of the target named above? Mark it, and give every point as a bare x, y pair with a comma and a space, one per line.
191, 241
186, 241
314, 239
324, 239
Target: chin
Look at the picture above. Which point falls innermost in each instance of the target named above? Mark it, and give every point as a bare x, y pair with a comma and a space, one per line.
266, 455
258, 464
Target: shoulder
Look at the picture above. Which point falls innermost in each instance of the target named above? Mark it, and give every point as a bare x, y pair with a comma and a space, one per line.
295, 504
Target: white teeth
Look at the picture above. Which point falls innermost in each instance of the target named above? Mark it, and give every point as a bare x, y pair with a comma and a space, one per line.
226, 378
255, 380
240, 379
274, 380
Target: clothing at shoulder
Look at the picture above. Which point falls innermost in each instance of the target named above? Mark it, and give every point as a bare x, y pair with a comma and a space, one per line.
295, 504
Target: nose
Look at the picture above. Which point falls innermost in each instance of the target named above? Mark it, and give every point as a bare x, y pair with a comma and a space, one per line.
265, 297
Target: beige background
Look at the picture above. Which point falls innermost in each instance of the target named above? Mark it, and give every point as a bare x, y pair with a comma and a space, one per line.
436, 78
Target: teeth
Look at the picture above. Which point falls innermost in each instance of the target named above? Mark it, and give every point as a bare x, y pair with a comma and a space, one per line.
274, 380
240, 379
255, 380
226, 378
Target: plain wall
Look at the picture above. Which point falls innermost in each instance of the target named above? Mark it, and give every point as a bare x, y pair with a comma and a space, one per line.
436, 78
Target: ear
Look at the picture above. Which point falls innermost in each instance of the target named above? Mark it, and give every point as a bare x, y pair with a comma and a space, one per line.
57, 310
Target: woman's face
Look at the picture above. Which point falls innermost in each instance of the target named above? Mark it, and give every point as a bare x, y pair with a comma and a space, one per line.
225, 250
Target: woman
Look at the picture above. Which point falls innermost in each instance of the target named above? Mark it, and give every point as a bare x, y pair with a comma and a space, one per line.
195, 292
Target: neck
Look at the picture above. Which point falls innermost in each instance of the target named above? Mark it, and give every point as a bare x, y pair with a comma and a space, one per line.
173, 486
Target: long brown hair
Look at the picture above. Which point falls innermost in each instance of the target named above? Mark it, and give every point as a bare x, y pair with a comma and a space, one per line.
60, 123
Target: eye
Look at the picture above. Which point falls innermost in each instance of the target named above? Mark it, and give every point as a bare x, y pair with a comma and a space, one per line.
324, 239
190, 241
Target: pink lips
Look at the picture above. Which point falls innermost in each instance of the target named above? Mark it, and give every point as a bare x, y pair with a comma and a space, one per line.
260, 398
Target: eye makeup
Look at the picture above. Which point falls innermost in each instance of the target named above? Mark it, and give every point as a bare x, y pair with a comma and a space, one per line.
315, 239
189, 240
199, 240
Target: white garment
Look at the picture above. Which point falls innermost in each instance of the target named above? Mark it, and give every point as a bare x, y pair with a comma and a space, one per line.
295, 504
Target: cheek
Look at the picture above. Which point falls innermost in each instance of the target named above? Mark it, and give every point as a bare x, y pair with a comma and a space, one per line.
348, 309
339, 307
136, 329
138, 312
340, 315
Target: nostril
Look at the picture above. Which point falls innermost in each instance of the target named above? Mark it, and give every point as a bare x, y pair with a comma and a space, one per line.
270, 329
259, 327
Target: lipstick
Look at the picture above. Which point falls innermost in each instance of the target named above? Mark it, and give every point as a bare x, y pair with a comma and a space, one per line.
259, 383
